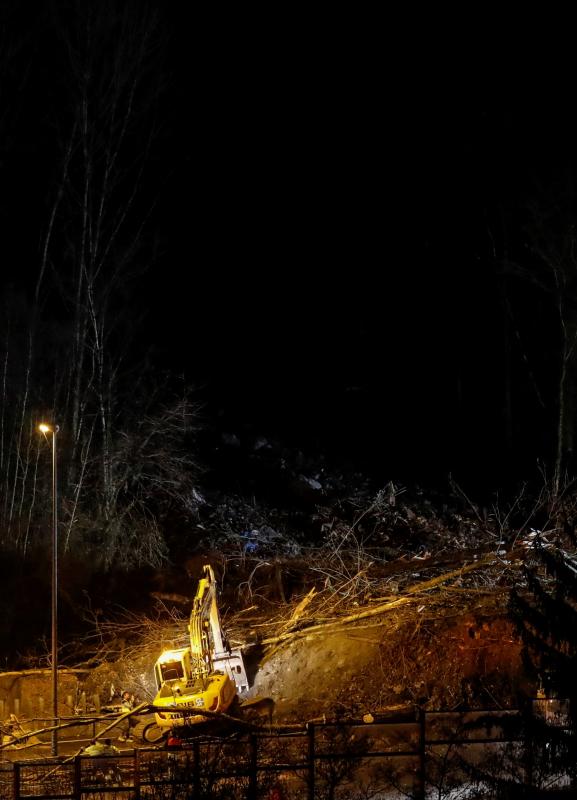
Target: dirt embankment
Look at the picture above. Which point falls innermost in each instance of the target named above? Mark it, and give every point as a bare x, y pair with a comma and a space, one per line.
371, 668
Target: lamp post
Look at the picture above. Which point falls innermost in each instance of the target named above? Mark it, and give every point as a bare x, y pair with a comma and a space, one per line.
53, 429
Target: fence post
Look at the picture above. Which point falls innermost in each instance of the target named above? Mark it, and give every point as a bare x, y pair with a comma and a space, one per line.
529, 744
136, 773
311, 760
422, 773
16, 777
252, 777
77, 778
196, 770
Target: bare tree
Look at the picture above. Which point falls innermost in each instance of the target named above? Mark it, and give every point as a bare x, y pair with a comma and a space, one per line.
67, 352
545, 266
152, 470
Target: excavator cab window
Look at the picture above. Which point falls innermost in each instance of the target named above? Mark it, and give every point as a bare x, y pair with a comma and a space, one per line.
172, 670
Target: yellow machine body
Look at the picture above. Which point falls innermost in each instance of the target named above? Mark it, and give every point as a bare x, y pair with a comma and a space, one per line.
204, 676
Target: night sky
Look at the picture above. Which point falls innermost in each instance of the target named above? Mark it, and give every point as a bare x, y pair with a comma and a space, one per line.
347, 293
326, 210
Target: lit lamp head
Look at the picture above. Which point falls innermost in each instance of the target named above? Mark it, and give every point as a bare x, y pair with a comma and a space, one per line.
45, 428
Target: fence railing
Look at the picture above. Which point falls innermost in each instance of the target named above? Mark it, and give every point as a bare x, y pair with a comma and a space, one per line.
409, 754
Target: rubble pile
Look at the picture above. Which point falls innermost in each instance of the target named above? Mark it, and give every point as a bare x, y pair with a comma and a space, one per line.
347, 596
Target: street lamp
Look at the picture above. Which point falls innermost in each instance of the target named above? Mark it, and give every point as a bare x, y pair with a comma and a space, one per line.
53, 429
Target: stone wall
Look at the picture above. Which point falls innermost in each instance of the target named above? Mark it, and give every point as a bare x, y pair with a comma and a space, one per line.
28, 694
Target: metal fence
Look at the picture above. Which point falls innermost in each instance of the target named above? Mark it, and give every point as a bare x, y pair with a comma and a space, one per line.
408, 755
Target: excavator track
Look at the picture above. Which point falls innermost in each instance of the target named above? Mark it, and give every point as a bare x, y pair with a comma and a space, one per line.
148, 731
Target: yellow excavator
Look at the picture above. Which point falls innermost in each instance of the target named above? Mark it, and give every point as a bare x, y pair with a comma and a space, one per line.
205, 676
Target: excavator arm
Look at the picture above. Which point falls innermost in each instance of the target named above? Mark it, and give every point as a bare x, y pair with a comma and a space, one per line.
204, 627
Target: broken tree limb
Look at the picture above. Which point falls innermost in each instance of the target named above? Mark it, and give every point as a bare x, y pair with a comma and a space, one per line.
376, 610
122, 717
22, 737
298, 612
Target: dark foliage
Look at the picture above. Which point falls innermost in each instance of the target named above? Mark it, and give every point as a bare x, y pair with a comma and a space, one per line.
546, 617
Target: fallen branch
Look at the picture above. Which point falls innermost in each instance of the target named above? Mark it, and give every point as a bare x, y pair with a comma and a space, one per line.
298, 612
376, 610
122, 717
77, 723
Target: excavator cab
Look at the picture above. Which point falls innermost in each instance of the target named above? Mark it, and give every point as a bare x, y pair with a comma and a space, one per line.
169, 667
